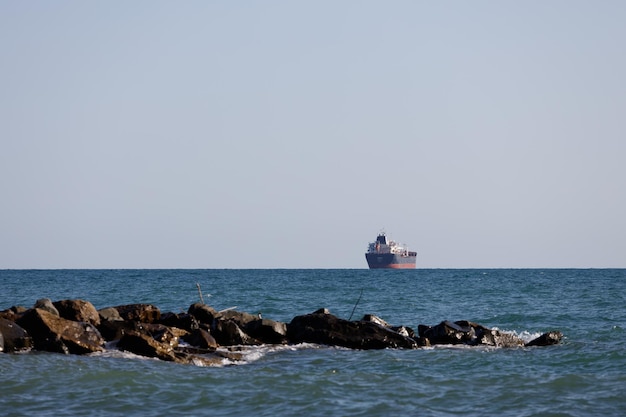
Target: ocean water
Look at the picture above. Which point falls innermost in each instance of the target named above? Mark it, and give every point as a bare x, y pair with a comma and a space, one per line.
585, 375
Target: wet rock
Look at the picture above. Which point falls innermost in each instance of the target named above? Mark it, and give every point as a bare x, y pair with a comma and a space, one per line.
203, 313
162, 333
467, 333
14, 338
402, 330
547, 339
324, 328
240, 318
78, 310
267, 331
375, 319
228, 333
201, 338
56, 334
501, 339
447, 333
144, 313
181, 321
114, 329
144, 345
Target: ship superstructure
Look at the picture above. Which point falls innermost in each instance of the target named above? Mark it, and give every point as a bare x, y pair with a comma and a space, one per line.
386, 253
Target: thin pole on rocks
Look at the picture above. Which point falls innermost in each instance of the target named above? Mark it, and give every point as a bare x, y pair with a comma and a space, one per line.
200, 292
355, 304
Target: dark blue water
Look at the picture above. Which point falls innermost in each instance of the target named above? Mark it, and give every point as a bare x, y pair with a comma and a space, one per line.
585, 375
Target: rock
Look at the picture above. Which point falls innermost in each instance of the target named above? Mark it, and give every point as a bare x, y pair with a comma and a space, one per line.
13, 313
181, 321
15, 339
403, 330
203, 313
468, 333
144, 345
547, 339
242, 319
324, 328
46, 304
447, 333
375, 319
267, 331
162, 333
78, 310
228, 333
500, 339
115, 329
56, 334
145, 313
110, 314
201, 338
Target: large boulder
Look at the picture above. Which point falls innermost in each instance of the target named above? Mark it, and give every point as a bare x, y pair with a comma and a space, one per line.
203, 313
201, 338
109, 314
78, 310
181, 321
403, 330
547, 339
46, 304
228, 333
56, 334
145, 313
14, 338
145, 345
114, 329
267, 331
324, 328
162, 333
447, 333
241, 318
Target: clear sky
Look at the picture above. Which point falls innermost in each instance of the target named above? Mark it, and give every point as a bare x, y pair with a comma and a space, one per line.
287, 134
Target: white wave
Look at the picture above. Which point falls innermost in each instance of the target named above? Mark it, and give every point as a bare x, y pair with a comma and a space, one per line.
111, 351
250, 354
525, 335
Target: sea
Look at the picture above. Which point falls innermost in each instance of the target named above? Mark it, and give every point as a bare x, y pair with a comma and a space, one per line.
585, 375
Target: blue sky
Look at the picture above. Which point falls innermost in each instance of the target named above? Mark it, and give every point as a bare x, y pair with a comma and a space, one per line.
201, 134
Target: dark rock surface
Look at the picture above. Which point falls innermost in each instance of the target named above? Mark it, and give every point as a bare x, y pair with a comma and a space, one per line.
324, 328
14, 338
473, 334
56, 334
267, 331
547, 339
78, 310
75, 326
201, 338
145, 313
144, 345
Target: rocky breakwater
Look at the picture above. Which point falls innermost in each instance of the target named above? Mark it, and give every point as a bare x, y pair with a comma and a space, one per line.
205, 336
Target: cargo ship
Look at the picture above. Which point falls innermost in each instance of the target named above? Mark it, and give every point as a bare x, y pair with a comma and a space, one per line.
387, 254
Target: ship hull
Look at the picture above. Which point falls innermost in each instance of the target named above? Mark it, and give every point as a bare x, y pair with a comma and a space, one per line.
390, 261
